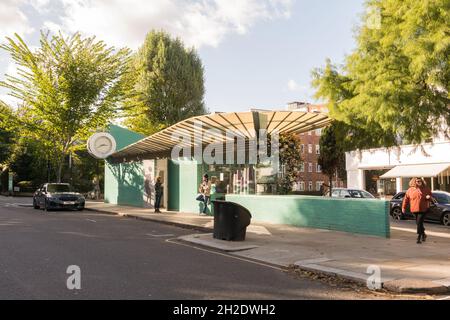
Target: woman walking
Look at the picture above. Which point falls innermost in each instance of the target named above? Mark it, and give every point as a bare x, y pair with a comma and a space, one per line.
418, 198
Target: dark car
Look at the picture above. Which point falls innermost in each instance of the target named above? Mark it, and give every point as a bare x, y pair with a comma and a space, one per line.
351, 193
439, 209
57, 196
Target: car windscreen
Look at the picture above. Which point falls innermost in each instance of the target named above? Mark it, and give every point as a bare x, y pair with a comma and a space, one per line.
58, 188
399, 196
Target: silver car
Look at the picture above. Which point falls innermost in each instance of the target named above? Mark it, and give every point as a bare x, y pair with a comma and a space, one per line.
351, 193
57, 196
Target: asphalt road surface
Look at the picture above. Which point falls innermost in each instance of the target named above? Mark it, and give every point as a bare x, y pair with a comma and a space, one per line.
123, 258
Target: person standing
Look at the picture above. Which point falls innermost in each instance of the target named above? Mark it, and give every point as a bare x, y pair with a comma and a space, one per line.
205, 190
418, 198
158, 194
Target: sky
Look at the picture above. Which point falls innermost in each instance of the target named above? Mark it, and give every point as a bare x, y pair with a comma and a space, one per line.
256, 53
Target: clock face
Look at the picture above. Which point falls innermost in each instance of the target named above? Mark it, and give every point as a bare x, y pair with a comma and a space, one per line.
101, 145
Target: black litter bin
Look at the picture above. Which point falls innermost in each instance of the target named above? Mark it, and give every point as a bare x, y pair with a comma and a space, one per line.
230, 220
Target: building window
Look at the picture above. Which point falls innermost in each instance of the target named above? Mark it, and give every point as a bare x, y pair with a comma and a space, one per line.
310, 167
309, 133
302, 148
301, 186
310, 186
318, 185
317, 149
309, 148
318, 132
319, 168
302, 167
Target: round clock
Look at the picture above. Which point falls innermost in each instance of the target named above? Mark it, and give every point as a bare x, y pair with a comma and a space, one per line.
101, 145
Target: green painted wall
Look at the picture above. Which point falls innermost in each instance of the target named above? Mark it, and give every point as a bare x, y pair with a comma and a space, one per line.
350, 215
184, 179
124, 137
124, 182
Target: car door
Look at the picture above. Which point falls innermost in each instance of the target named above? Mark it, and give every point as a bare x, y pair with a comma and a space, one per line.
434, 212
345, 194
335, 194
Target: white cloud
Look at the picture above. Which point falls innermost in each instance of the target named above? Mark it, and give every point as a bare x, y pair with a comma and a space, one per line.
42, 6
12, 19
197, 22
293, 86
52, 26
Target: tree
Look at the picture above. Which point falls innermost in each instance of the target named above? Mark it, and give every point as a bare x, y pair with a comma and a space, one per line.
290, 160
70, 86
6, 134
168, 84
28, 161
332, 155
396, 83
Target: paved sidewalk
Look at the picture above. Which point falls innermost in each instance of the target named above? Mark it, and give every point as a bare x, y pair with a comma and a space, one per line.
405, 266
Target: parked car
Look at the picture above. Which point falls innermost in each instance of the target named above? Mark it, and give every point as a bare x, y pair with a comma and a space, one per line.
57, 196
351, 193
439, 209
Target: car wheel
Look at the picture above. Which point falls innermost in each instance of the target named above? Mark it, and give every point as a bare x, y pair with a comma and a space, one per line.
446, 219
35, 206
397, 213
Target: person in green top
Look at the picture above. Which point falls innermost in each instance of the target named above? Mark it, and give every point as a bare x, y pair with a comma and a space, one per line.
158, 194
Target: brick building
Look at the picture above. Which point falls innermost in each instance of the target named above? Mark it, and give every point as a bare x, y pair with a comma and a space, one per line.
311, 176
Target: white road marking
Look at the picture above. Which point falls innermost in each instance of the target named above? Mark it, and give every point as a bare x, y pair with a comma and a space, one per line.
160, 235
91, 220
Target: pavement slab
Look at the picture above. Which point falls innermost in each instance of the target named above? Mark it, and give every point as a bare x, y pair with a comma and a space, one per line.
425, 267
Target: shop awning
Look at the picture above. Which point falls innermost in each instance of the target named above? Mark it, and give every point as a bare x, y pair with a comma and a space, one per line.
242, 124
417, 170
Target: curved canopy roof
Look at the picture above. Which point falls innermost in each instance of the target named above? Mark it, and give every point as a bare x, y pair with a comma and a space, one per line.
242, 124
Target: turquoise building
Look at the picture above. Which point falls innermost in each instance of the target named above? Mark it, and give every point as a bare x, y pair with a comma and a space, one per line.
172, 155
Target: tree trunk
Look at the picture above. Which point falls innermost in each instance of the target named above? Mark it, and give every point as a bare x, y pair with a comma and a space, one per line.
330, 177
59, 173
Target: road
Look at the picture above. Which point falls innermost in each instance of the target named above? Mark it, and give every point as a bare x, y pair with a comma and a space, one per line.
123, 258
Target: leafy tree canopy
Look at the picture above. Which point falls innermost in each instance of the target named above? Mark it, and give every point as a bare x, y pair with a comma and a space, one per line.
332, 155
290, 159
69, 87
6, 134
168, 84
395, 85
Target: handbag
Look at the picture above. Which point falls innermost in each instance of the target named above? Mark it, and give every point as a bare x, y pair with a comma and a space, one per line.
200, 197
